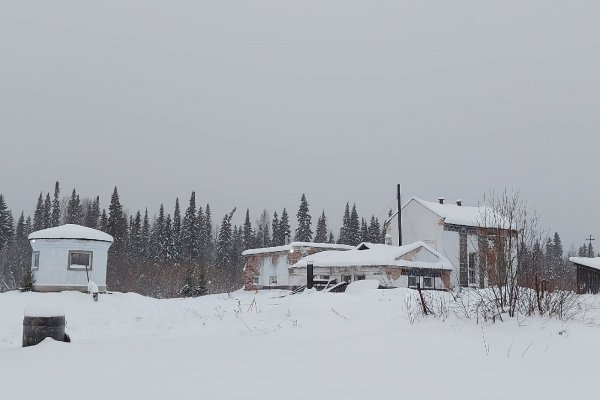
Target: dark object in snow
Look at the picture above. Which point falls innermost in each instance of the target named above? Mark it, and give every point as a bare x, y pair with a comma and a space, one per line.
36, 329
309, 275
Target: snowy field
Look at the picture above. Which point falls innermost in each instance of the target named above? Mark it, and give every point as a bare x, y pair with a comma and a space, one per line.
365, 345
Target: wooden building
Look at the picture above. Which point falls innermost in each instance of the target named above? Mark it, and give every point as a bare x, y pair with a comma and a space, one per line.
588, 274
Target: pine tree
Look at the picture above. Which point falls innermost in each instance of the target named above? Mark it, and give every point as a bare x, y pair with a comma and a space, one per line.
224, 244
116, 224
190, 231
248, 234
28, 225
557, 247
344, 237
158, 236
38, 215
55, 218
237, 247
275, 229
590, 250
103, 221
354, 228
263, 236
374, 230
47, 216
201, 244
321, 231
92, 215
74, 212
303, 231
364, 231
5, 223
20, 232
145, 236
177, 245
207, 236
135, 236
285, 232
331, 238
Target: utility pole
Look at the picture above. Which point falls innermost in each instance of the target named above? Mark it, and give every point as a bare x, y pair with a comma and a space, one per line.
399, 216
590, 255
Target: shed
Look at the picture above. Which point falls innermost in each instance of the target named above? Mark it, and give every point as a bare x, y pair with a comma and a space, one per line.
67, 257
588, 274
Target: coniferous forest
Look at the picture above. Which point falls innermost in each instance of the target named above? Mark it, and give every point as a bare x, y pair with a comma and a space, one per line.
182, 252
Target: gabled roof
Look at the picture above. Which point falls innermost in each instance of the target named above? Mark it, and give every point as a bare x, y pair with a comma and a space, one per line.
375, 254
293, 246
480, 216
71, 231
586, 262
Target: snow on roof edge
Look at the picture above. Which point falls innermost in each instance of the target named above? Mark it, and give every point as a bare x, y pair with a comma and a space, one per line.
586, 262
290, 246
71, 231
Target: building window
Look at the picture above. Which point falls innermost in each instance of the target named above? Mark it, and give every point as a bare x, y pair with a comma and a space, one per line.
472, 268
35, 260
359, 277
272, 280
346, 278
80, 260
324, 277
428, 282
255, 280
413, 281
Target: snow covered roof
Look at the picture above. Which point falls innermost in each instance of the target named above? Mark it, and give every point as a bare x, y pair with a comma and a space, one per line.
414, 255
71, 231
296, 245
586, 262
460, 215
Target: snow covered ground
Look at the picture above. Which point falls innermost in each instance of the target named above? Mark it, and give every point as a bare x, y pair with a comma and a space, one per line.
364, 345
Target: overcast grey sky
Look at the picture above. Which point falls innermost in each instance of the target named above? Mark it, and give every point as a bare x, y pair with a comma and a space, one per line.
252, 103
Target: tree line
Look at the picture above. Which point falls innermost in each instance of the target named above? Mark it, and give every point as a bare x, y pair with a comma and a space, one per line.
170, 254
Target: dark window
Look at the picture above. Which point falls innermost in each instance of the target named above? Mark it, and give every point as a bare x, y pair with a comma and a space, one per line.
427, 282
35, 261
346, 278
412, 281
359, 277
80, 260
472, 268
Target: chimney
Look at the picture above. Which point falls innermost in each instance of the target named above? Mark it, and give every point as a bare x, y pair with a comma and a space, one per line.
441, 200
459, 202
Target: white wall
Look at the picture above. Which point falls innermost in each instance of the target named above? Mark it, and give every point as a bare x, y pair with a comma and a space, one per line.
53, 271
275, 265
418, 223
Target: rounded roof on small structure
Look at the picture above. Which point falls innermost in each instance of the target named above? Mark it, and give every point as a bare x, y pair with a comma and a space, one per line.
71, 231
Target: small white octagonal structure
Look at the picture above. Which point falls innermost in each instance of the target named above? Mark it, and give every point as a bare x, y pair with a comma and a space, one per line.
67, 257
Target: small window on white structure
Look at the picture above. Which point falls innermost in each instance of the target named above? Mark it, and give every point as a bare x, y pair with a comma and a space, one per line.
346, 278
324, 277
472, 268
359, 277
35, 260
80, 260
255, 280
427, 282
273, 280
412, 281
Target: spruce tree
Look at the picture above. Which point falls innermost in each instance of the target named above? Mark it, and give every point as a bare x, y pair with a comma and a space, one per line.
331, 238
55, 219
285, 232
47, 216
5, 223
207, 236
364, 231
201, 244
321, 231
248, 234
263, 236
74, 212
223, 259
103, 221
303, 231
145, 236
38, 214
116, 224
159, 244
135, 236
275, 230
374, 230
354, 228
177, 245
344, 237
190, 231
20, 232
